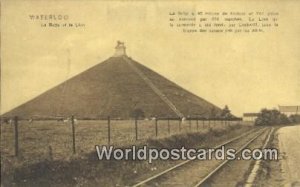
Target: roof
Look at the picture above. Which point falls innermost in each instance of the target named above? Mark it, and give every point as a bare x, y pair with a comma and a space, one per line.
289, 109
250, 114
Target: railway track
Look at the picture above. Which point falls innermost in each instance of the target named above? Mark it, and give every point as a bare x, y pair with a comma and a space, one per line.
198, 172
230, 177
237, 172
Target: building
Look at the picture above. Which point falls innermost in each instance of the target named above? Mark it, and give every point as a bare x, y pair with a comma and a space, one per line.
289, 110
250, 117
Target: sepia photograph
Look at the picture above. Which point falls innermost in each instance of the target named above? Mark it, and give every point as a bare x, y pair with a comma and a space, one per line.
194, 93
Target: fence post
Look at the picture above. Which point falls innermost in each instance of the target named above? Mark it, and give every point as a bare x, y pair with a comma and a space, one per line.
16, 136
190, 124
136, 128
169, 130
108, 130
179, 124
156, 128
50, 152
208, 123
73, 133
197, 124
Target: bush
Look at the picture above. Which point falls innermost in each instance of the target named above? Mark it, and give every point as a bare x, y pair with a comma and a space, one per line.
271, 117
295, 118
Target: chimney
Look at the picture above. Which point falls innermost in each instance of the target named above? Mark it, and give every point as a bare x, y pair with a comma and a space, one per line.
120, 49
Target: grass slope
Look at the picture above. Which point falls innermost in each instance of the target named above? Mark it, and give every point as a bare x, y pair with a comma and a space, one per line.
113, 88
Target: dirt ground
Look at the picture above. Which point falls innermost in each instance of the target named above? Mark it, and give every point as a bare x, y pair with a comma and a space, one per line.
284, 171
289, 140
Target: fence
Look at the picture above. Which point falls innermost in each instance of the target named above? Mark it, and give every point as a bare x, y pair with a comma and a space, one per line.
40, 139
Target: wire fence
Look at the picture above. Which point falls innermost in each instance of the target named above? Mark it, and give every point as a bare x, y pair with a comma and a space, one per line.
56, 139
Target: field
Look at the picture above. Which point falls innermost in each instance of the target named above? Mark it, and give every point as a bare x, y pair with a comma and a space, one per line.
34, 167
51, 140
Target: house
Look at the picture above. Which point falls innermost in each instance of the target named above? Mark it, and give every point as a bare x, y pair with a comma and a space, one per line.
251, 117
289, 110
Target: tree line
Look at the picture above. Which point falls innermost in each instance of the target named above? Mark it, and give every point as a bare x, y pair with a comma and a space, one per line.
270, 117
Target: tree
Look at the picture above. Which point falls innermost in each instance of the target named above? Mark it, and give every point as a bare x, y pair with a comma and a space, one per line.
294, 118
226, 113
213, 113
271, 117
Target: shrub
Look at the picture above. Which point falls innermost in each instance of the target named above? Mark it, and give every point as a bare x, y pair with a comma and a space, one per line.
271, 117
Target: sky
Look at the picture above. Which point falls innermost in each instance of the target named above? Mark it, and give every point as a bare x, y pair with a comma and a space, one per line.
245, 71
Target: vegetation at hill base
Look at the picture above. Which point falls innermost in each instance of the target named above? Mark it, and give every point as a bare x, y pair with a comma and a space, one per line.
274, 117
